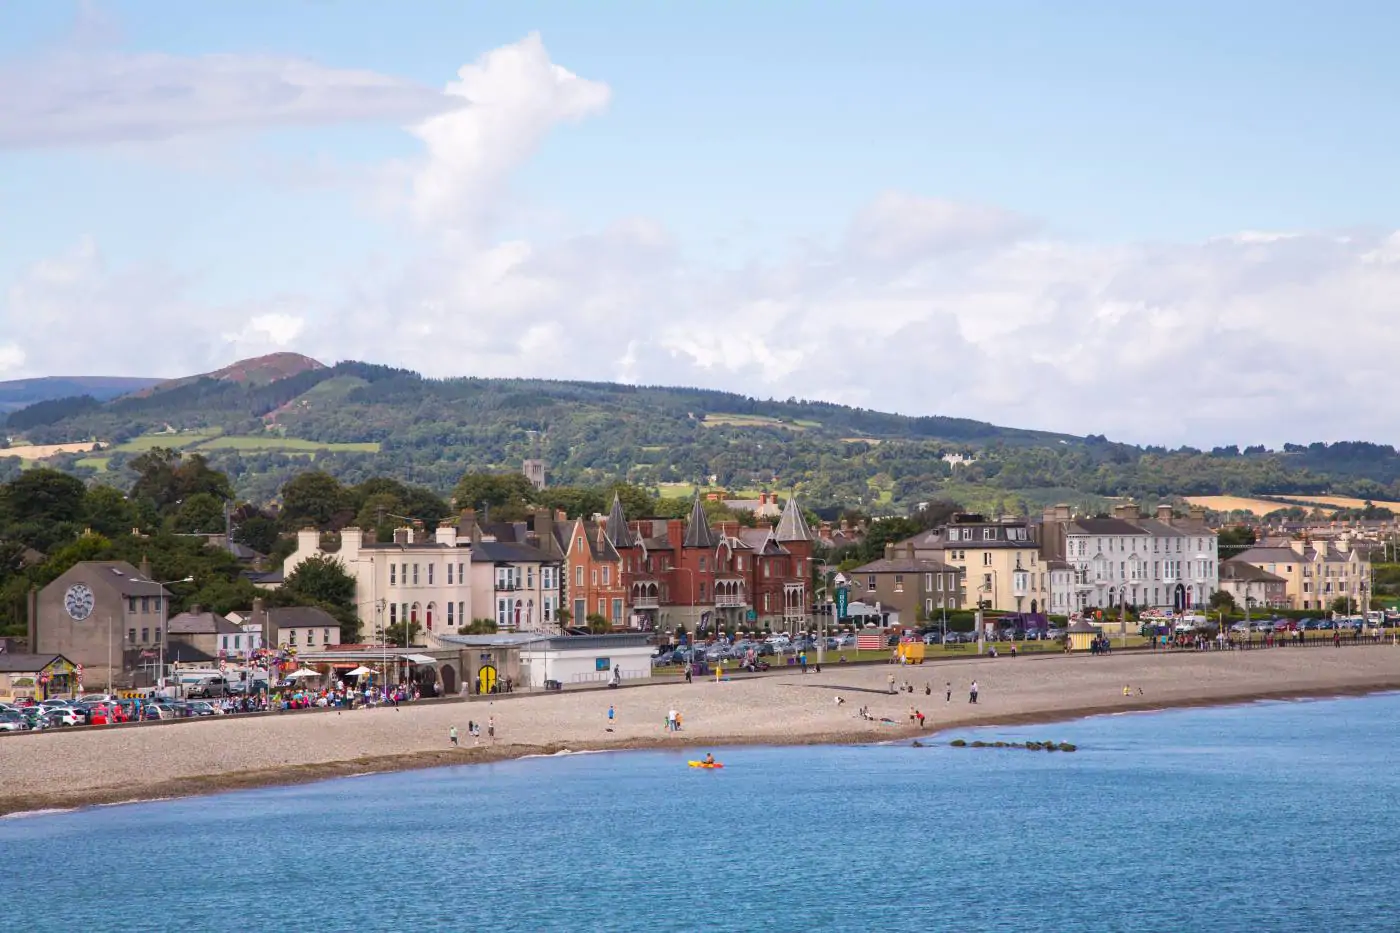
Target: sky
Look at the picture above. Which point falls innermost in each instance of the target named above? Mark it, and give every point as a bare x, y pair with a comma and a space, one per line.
1165, 223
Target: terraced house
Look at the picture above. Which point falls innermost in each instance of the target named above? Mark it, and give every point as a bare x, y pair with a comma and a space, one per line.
1316, 573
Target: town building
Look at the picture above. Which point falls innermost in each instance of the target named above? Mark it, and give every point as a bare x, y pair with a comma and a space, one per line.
1164, 562
1316, 573
204, 631
415, 577
38, 677
918, 590
1062, 592
107, 616
1253, 587
765, 506
685, 573
999, 561
593, 570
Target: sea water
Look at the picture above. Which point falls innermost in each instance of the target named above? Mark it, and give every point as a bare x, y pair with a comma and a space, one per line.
1270, 816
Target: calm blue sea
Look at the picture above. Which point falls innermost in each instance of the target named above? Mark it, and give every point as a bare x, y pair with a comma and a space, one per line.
1268, 817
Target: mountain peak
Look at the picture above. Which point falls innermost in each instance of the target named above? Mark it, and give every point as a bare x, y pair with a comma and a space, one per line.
260, 370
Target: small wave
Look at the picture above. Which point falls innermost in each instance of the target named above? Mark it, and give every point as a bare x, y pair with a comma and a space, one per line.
47, 811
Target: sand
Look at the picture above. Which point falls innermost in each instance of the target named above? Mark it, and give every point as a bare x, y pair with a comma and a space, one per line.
109, 764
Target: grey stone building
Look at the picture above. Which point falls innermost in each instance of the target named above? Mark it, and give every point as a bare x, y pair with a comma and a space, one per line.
101, 614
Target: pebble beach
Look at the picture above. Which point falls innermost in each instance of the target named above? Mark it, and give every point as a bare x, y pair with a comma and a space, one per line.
62, 768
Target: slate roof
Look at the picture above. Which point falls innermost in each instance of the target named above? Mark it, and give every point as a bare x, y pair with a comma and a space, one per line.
618, 532
301, 617
793, 524
698, 532
904, 565
498, 551
1243, 572
203, 623
1106, 526
26, 663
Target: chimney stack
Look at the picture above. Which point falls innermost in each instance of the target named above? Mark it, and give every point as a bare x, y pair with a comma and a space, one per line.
889, 550
403, 536
1164, 514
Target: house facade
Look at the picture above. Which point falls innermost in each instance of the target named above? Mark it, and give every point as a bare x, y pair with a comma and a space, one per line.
999, 561
593, 570
1253, 587
1316, 573
919, 590
1164, 562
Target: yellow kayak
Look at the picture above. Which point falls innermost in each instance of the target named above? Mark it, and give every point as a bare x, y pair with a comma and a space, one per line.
705, 764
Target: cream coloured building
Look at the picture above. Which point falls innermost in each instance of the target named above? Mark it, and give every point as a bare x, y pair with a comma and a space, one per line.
1316, 573
999, 561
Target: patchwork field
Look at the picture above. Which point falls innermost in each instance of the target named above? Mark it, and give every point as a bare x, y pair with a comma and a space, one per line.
273, 442
1240, 503
175, 440
757, 421
43, 451
1343, 502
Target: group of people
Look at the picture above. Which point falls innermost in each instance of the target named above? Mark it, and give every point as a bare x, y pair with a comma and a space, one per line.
673, 720
474, 730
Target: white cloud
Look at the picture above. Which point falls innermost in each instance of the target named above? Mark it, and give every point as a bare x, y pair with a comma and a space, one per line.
81, 96
512, 97
924, 306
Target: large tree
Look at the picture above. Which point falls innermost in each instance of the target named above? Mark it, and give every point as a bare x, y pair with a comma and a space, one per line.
313, 498
507, 495
43, 495
109, 512
200, 513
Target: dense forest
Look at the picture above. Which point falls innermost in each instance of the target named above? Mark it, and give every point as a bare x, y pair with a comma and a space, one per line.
356, 421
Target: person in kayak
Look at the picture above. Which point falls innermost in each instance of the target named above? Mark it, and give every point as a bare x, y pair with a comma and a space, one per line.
709, 759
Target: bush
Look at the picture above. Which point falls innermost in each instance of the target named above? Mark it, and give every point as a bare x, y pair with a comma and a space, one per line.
958, 743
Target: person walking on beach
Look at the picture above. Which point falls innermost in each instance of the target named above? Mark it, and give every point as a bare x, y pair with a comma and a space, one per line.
687, 674
452, 736
891, 681
948, 692
491, 729
611, 714
972, 693
918, 714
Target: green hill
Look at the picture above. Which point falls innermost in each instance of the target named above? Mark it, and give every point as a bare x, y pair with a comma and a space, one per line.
264, 420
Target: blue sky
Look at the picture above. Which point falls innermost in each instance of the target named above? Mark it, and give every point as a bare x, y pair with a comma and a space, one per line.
1128, 149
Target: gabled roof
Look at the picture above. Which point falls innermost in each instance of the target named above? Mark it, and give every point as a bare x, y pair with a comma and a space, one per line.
201, 623
793, 525
301, 617
904, 565
698, 532
27, 663
618, 532
1242, 571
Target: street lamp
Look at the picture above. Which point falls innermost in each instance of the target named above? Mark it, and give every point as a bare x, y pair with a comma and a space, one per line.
160, 621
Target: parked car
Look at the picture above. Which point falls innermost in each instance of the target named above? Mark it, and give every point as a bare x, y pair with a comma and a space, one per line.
12, 720
64, 716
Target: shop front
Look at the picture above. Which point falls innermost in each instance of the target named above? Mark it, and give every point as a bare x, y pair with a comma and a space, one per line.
38, 677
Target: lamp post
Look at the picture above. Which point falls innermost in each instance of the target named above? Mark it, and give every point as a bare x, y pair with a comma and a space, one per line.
160, 619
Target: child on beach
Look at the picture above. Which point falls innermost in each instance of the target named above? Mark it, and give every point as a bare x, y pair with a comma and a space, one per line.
972, 693
452, 736
948, 692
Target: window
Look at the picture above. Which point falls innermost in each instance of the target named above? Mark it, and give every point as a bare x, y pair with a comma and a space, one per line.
986, 558
430, 574
739, 562
940, 582
393, 613
702, 563
869, 583
462, 612
578, 575
502, 612
393, 574
157, 636
145, 635
702, 591
548, 608
617, 610
310, 637
131, 635
602, 607
292, 637
530, 577
145, 604
450, 613
989, 534
928, 605
593, 576
928, 581
415, 574
449, 574
461, 575
578, 545
899, 583
607, 576
767, 569
237, 642
224, 643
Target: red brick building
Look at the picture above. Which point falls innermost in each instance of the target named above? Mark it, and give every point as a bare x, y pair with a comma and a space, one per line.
679, 573
594, 578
